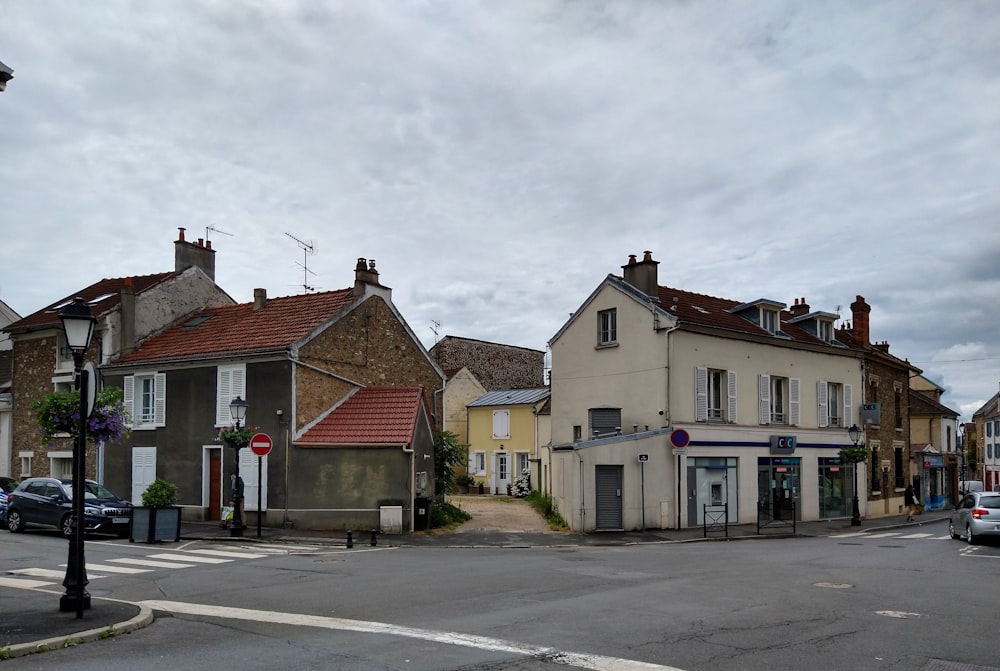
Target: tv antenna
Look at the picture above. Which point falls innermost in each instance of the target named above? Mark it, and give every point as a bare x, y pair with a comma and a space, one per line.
211, 227
307, 249
434, 328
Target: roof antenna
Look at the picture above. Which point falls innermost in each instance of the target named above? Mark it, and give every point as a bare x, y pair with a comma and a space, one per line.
435, 328
307, 249
211, 227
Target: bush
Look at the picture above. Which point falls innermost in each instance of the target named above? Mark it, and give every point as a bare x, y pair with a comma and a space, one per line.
547, 509
159, 494
444, 514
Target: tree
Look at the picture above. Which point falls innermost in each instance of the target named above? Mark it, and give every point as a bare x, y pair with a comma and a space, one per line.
448, 453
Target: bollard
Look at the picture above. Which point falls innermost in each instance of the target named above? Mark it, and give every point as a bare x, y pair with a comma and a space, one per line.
350, 538
374, 541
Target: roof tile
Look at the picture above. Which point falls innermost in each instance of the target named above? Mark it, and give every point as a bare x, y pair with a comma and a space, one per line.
372, 416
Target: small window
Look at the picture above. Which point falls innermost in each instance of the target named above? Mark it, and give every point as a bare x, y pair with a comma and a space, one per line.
521, 462
769, 320
577, 433
825, 330
607, 327
477, 465
25, 458
605, 421
501, 423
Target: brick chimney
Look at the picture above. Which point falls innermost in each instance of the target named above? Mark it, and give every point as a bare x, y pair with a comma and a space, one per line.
126, 315
259, 299
799, 308
187, 254
364, 274
642, 274
860, 311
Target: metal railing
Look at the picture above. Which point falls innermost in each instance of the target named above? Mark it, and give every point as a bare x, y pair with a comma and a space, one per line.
715, 519
775, 517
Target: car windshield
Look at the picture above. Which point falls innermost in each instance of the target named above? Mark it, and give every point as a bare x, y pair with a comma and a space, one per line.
92, 491
8, 485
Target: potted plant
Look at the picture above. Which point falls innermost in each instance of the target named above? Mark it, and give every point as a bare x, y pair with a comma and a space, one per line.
158, 519
464, 481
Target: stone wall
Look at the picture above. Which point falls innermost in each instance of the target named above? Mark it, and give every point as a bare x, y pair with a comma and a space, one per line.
496, 366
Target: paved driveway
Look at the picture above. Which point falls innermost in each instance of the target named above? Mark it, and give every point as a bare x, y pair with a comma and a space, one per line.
498, 513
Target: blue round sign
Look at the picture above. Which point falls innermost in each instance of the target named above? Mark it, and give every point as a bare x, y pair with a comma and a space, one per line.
679, 438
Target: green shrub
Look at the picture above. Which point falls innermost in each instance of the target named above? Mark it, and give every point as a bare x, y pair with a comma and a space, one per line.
444, 514
159, 494
547, 509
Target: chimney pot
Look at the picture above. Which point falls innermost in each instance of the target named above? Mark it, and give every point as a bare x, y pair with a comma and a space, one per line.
208, 244
631, 259
259, 299
201, 242
647, 255
181, 236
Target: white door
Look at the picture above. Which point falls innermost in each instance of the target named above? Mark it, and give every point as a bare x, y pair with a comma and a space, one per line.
501, 471
143, 471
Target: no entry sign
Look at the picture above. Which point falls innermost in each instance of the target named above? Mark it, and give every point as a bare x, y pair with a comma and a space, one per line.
260, 444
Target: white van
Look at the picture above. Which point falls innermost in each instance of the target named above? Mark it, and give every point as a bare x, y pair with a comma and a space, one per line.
966, 486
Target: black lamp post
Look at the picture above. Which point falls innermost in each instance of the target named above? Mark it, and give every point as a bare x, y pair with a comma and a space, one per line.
238, 411
855, 434
78, 325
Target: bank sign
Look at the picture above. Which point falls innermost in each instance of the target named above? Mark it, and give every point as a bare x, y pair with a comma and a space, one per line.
782, 444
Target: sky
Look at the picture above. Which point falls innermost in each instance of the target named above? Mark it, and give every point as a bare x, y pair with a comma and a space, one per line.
499, 159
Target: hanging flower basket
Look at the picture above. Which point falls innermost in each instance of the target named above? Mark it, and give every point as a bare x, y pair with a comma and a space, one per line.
235, 438
854, 455
59, 414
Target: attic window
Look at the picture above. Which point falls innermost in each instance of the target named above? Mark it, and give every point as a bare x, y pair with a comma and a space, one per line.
769, 320
197, 321
824, 330
95, 301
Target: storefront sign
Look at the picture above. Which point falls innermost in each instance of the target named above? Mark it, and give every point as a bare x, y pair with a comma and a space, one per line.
782, 444
870, 413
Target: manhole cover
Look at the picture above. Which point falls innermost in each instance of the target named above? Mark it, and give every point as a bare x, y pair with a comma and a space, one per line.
833, 585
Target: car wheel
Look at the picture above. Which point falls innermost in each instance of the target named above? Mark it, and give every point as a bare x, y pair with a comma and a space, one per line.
14, 521
66, 525
951, 530
969, 538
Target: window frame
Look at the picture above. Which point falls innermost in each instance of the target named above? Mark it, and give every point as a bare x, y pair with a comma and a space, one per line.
501, 424
607, 327
133, 401
612, 429
477, 462
230, 382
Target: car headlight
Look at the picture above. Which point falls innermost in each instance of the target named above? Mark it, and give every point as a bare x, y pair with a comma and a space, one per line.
90, 510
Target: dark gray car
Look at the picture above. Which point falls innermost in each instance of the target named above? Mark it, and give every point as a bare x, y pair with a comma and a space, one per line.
977, 516
49, 502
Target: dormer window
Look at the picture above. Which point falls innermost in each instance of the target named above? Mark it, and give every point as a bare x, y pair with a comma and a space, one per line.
825, 331
769, 320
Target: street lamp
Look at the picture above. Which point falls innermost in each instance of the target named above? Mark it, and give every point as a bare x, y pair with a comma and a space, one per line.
855, 434
238, 411
78, 325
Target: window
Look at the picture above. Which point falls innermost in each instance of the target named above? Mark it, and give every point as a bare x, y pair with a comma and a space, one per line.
605, 421
230, 382
521, 462
477, 464
145, 397
898, 406
825, 331
61, 464
715, 395
779, 395
834, 404
897, 455
501, 423
989, 429
607, 327
577, 433
778, 400
876, 472
989, 451
769, 320
25, 458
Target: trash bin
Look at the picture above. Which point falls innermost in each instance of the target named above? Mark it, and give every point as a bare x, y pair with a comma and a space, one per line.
421, 513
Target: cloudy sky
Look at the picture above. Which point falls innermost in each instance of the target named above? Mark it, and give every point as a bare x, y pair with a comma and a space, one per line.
499, 159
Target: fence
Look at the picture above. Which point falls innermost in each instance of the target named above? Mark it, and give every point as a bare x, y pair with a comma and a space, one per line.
776, 517
715, 519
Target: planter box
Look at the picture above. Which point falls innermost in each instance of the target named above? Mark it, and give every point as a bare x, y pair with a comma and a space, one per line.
152, 525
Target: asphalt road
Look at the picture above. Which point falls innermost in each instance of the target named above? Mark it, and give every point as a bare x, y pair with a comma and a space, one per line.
871, 601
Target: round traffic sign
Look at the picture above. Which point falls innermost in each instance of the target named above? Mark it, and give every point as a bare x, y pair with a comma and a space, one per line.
679, 438
260, 444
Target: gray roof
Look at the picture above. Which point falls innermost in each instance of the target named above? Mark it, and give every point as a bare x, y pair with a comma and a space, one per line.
511, 397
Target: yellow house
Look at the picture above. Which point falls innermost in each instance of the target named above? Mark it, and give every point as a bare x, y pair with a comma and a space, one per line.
505, 429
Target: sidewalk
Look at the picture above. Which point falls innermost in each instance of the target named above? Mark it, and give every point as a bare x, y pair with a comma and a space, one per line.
32, 622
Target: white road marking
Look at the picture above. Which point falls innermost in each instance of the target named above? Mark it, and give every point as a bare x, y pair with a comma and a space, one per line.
107, 568
150, 562
188, 557
23, 583
229, 554
885, 535
47, 573
579, 660
917, 536
858, 533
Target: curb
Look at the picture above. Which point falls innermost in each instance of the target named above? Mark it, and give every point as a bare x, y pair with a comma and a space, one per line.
143, 619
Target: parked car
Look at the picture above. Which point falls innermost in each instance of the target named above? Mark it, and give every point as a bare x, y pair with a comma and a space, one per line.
977, 516
7, 485
49, 502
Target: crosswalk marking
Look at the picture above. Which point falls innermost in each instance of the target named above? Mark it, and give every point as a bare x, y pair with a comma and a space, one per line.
917, 536
150, 562
229, 554
888, 535
47, 573
188, 557
23, 583
106, 568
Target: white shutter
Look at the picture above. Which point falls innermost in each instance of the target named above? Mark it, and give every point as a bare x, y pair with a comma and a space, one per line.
160, 399
143, 471
501, 424
794, 396
822, 416
231, 382
700, 394
847, 405
128, 398
764, 396
732, 397
248, 471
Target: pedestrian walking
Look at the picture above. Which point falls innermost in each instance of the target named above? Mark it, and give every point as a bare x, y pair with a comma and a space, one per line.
910, 500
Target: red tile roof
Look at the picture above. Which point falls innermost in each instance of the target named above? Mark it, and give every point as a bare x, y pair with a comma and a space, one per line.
372, 416
693, 308
102, 296
240, 329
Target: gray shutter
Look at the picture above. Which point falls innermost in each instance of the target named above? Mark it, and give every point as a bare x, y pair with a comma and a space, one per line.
822, 416
764, 396
848, 409
794, 395
700, 394
732, 396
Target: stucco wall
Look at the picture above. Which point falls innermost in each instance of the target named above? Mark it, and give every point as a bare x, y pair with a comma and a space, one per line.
462, 389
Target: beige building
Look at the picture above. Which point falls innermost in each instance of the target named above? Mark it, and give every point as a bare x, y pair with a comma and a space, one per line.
506, 429
668, 405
